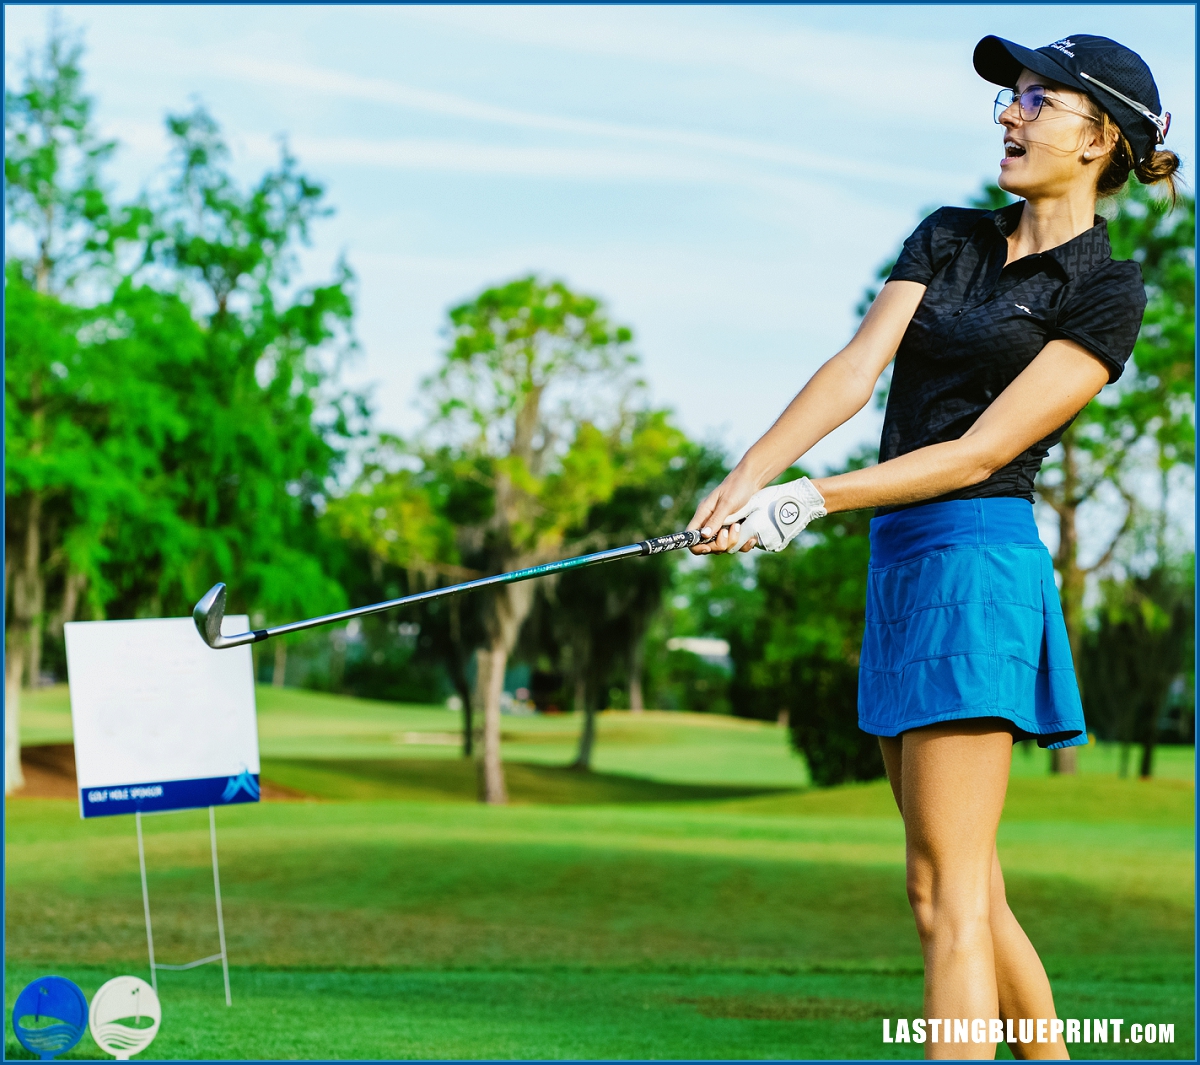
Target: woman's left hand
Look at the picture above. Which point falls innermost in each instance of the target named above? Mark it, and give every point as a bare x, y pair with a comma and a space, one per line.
727, 498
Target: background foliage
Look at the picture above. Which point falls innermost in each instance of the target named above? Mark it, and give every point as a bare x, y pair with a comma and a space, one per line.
176, 415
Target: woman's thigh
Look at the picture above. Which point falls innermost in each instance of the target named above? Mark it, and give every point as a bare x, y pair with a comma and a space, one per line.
892, 748
951, 783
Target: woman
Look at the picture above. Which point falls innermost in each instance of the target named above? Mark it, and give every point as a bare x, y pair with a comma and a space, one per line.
1003, 325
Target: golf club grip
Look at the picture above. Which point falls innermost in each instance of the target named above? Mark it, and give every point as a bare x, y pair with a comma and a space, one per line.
670, 542
655, 546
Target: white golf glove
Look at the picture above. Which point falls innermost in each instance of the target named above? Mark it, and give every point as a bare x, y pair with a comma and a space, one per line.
777, 514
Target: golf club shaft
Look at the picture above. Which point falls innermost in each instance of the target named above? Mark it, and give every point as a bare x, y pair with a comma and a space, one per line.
659, 544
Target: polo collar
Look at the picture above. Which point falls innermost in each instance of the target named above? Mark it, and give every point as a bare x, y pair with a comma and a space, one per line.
1077, 256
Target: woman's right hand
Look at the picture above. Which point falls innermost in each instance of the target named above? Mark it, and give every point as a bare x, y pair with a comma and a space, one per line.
727, 498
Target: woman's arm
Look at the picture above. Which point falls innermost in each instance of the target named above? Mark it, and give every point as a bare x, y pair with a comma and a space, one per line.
1050, 391
834, 394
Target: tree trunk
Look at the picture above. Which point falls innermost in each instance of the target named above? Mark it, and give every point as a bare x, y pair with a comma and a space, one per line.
29, 592
586, 696
1147, 766
33, 669
492, 662
279, 674
14, 666
587, 740
458, 676
637, 663
506, 610
27, 601
73, 585
1064, 760
1066, 561
1146, 729
468, 716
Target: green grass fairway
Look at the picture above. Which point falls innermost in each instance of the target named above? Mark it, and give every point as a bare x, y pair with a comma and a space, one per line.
673, 748
613, 915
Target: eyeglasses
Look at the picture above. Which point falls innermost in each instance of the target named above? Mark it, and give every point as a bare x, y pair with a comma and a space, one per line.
1030, 102
1162, 122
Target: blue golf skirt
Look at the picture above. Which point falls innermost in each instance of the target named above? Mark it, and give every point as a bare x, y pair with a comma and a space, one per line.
964, 621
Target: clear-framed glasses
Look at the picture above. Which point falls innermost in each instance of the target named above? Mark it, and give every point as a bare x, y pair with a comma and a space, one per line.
1030, 102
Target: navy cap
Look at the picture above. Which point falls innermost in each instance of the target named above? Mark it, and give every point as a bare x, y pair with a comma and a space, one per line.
1113, 76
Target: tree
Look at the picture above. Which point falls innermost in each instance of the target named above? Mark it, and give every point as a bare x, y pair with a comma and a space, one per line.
1141, 644
603, 612
1147, 419
794, 624
415, 526
268, 423
717, 599
56, 207
153, 441
532, 373
802, 654
52, 161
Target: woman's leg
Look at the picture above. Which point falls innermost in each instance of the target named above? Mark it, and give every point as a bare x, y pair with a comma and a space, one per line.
1021, 981
953, 779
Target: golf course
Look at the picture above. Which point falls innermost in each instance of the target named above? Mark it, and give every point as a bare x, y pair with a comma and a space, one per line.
692, 897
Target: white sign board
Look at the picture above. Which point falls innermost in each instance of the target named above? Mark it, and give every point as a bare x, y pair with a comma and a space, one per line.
161, 720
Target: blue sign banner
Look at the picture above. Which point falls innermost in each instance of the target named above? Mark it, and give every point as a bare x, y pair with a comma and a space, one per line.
169, 795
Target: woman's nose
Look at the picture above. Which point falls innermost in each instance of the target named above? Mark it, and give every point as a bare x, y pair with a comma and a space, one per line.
1010, 117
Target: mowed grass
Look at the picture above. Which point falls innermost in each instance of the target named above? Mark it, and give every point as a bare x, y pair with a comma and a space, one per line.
668, 747
610, 915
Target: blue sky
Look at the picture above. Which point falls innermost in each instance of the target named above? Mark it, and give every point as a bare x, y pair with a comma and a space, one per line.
726, 178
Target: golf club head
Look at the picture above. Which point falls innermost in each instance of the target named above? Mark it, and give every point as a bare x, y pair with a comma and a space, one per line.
208, 615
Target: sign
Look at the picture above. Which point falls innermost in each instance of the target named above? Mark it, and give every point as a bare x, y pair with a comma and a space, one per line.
125, 1016
50, 1016
161, 721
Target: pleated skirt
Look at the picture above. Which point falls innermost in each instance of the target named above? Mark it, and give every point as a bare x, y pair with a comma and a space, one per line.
964, 621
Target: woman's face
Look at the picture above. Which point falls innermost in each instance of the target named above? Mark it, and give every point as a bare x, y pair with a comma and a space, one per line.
1055, 152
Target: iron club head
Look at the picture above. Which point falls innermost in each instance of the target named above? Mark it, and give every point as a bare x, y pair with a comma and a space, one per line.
209, 613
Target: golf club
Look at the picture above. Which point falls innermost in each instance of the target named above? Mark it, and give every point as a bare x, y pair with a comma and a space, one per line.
210, 611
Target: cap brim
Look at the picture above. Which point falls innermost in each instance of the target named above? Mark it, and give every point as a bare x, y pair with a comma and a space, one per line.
1000, 62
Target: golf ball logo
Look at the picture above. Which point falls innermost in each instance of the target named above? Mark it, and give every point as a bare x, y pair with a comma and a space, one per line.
789, 513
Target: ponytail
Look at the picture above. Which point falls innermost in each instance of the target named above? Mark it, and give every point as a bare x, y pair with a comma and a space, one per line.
1157, 168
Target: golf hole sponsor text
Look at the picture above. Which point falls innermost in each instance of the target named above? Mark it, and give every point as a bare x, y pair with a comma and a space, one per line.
1024, 1030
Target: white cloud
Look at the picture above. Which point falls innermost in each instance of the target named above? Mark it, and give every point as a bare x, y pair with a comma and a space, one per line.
387, 92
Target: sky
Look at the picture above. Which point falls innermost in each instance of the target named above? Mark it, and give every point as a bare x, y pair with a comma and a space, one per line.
727, 179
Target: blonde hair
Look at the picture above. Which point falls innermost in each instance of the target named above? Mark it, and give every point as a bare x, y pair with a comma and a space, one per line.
1157, 168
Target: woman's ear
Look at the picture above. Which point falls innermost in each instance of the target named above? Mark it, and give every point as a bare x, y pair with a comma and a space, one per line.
1103, 140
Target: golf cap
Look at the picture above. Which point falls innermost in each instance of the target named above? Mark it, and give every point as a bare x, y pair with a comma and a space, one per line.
1115, 77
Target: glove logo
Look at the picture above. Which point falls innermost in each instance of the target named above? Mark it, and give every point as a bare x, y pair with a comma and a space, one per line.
789, 513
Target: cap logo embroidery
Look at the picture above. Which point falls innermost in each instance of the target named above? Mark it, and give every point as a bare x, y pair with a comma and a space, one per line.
1063, 45
1022, 307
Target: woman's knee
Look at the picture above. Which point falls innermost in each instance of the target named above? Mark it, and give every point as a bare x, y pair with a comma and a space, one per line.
919, 883
951, 904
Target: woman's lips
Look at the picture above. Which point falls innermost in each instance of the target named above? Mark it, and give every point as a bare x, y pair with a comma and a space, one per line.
1006, 159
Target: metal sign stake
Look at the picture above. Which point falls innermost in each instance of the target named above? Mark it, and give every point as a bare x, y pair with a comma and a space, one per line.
223, 956
146, 900
212, 830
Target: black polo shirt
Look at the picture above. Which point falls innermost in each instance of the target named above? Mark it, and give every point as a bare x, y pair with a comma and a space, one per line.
980, 323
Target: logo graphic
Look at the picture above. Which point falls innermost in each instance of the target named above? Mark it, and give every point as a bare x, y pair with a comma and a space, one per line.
789, 513
1022, 307
243, 782
1063, 45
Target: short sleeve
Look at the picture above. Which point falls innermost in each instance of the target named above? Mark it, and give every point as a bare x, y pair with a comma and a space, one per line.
1102, 311
934, 243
